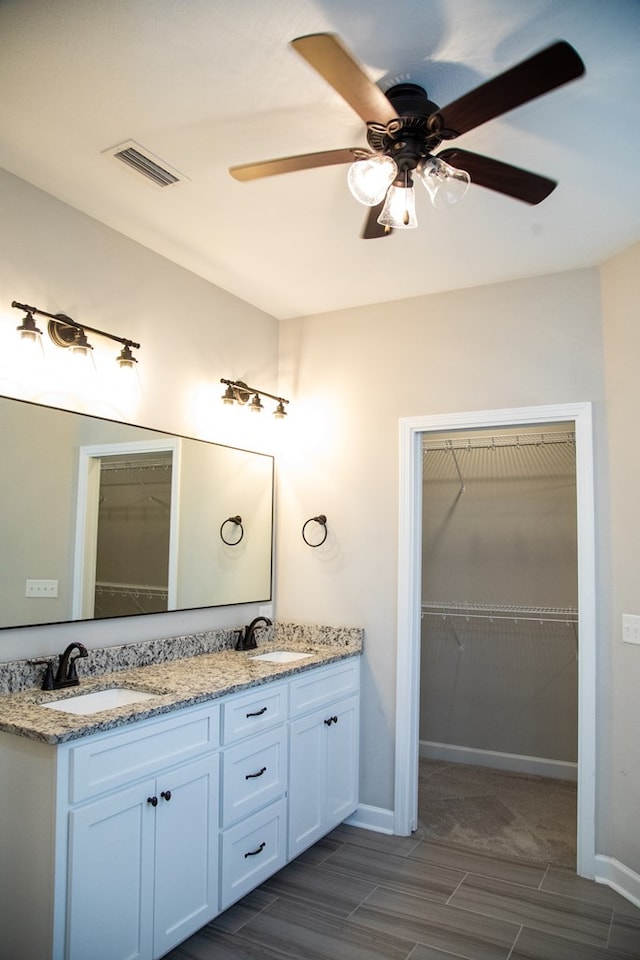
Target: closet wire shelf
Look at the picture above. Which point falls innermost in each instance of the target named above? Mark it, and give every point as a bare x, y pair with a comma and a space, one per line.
490, 611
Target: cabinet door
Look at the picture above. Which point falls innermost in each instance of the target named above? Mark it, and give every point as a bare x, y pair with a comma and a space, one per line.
323, 778
110, 880
307, 775
186, 888
342, 778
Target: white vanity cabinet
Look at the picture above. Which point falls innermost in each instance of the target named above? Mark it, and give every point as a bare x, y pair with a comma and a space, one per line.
116, 839
323, 753
143, 857
122, 844
254, 789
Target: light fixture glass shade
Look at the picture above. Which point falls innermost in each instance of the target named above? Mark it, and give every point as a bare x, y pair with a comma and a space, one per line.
280, 412
30, 343
445, 184
369, 179
399, 211
229, 396
256, 404
128, 382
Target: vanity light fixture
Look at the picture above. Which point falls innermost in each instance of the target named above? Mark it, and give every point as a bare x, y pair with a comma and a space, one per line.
239, 392
65, 332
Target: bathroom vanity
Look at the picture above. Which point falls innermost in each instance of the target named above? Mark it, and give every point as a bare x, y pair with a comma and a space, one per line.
126, 831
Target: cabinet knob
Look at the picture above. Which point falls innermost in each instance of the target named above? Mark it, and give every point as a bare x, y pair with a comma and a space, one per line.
166, 795
331, 720
153, 801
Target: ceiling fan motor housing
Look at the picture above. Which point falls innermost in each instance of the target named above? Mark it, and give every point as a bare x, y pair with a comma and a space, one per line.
410, 138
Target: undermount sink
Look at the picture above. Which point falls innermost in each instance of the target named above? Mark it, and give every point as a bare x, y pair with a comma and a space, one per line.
280, 656
86, 703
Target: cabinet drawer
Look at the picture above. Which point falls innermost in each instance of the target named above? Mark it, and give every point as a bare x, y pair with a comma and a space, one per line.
254, 711
252, 851
318, 687
110, 760
253, 774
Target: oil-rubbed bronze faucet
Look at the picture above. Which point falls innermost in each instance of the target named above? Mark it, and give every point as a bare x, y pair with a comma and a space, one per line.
247, 640
66, 674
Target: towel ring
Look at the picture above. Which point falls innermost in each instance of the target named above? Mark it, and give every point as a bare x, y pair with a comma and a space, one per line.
238, 522
322, 520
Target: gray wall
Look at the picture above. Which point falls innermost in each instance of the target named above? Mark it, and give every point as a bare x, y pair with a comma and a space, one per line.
352, 374
620, 561
191, 332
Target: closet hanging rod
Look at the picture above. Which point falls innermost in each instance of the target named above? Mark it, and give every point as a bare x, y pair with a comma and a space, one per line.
498, 441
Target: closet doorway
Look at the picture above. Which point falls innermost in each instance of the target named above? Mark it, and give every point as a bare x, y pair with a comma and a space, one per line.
575, 418
499, 645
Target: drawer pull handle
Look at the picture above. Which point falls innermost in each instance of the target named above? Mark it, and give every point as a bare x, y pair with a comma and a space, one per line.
254, 853
153, 801
331, 720
258, 713
251, 776
166, 795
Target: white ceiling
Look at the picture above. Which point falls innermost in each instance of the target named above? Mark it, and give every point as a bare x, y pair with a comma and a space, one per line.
206, 84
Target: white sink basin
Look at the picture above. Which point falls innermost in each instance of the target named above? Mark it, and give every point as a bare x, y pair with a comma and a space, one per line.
280, 656
86, 703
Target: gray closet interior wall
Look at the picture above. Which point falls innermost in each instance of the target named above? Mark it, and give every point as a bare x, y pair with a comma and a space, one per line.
499, 623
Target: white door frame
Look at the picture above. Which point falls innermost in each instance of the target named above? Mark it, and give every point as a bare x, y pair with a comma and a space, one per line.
86, 534
409, 605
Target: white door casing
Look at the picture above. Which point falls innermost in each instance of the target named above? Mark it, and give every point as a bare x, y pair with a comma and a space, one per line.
409, 604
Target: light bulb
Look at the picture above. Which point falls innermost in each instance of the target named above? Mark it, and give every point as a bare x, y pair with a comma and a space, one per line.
445, 184
399, 209
369, 179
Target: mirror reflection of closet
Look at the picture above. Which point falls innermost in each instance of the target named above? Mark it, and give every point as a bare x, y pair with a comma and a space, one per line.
126, 549
133, 536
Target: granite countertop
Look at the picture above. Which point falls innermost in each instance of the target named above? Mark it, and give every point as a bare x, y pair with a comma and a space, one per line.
177, 683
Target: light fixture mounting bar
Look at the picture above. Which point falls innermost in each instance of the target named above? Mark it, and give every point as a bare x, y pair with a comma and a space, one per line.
64, 320
242, 387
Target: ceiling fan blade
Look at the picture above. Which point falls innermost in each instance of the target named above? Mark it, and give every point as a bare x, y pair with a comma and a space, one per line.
539, 74
501, 177
306, 161
372, 230
326, 54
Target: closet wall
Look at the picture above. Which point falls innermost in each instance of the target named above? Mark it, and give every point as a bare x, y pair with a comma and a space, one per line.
499, 618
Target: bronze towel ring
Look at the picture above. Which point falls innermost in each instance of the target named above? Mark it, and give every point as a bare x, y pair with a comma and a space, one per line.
322, 520
238, 523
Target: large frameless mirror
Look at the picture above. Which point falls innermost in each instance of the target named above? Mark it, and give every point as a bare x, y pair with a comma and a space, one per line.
104, 519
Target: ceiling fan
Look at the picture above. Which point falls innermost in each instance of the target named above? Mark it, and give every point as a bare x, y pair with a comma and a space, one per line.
404, 127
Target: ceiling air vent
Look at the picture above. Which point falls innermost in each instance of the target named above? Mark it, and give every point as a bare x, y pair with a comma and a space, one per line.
140, 160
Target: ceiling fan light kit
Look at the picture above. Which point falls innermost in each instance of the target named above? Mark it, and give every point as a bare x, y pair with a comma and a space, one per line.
445, 184
399, 210
370, 178
404, 127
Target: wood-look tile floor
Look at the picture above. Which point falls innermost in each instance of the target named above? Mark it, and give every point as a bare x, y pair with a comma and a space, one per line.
358, 895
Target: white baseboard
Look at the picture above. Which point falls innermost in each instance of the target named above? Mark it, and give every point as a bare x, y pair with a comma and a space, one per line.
620, 878
372, 818
515, 762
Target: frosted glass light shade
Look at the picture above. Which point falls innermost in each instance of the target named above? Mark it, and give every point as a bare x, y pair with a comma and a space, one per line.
128, 389
399, 209
445, 184
369, 179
